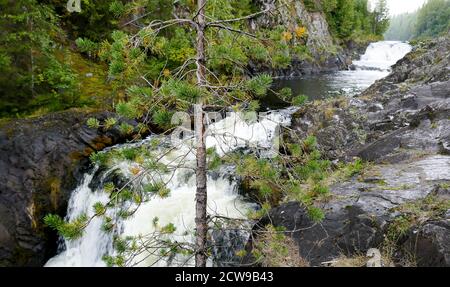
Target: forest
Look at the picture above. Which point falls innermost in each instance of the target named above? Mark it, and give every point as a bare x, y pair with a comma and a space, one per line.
429, 21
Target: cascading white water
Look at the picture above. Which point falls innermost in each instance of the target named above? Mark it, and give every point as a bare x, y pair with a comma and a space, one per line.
375, 64
382, 55
225, 135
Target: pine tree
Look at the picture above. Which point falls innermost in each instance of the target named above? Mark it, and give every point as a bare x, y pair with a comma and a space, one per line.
433, 18
380, 17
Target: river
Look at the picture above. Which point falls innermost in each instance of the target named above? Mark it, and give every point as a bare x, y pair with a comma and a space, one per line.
233, 132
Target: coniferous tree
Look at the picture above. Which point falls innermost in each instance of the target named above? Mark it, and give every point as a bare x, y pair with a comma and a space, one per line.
380, 17
433, 18
32, 71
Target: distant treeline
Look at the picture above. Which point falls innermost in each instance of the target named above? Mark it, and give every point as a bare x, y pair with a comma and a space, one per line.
430, 20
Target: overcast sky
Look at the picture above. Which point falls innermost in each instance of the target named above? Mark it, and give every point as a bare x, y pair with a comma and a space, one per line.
403, 6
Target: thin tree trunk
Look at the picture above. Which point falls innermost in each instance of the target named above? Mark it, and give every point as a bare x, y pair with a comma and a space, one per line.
201, 193
30, 21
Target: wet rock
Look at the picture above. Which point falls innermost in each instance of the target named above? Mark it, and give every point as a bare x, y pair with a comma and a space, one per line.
430, 244
375, 151
375, 107
41, 161
336, 128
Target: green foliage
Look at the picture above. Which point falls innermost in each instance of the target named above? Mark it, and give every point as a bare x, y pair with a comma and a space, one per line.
117, 8
310, 143
259, 84
129, 153
108, 187
319, 189
272, 248
86, 46
316, 214
126, 129
214, 160
107, 225
70, 230
353, 168
93, 123
47, 75
151, 74
99, 208
110, 123
299, 100
28, 39
225, 53
126, 110
169, 228
99, 158
350, 19
311, 5
285, 93
163, 118
181, 90
433, 18
402, 27
301, 176
157, 188
95, 21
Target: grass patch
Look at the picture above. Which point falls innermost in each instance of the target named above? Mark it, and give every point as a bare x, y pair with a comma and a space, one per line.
273, 248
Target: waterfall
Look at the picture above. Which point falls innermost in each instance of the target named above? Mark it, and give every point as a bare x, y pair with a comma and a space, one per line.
382, 55
236, 131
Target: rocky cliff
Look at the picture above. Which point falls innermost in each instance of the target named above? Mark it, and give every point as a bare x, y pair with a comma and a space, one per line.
41, 160
400, 202
326, 54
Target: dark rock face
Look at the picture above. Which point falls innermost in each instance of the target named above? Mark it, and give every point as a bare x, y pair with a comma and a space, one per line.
346, 231
402, 125
41, 161
430, 243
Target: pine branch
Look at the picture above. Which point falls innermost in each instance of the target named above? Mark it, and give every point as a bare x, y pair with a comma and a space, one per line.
213, 23
233, 30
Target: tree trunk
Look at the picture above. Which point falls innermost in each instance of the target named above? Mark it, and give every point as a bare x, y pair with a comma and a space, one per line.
201, 193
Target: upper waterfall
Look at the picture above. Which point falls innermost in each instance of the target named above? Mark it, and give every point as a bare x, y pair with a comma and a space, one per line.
382, 55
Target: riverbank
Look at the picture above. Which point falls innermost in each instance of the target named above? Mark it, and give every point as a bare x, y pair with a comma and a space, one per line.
399, 201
